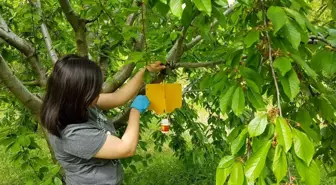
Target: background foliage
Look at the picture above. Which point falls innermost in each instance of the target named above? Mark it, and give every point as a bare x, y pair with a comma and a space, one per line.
259, 81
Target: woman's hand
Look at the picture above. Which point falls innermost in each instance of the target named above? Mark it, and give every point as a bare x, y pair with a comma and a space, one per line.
140, 103
155, 67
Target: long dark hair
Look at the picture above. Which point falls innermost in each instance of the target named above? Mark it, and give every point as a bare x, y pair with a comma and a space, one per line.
72, 86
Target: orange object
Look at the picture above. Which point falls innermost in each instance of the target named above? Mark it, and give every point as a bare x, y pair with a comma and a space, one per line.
165, 126
164, 98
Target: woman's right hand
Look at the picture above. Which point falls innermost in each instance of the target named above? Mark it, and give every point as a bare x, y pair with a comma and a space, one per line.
140, 103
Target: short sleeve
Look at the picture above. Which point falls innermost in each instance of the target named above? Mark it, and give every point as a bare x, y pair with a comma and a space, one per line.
83, 140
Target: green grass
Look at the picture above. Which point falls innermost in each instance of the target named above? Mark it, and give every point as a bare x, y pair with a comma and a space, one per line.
167, 170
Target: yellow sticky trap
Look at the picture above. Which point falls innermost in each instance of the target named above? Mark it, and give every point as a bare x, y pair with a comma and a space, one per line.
164, 98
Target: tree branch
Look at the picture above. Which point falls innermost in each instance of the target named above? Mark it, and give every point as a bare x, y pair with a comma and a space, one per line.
140, 43
110, 85
18, 89
104, 59
25, 48
197, 64
312, 38
199, 38
176, 52
45, 32
193, 42
78, 25
131, 18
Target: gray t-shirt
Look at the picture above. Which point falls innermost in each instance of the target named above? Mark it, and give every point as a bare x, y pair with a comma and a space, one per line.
76, 148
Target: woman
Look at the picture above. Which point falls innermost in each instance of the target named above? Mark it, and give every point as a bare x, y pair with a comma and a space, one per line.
82, 138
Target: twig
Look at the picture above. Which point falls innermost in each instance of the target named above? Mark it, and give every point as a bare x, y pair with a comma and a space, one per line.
289, 172
109, 16
198, 38
196, 64
271, 62
93, 20
34, 82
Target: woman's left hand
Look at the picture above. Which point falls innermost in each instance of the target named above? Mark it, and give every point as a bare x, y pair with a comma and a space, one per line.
155, 67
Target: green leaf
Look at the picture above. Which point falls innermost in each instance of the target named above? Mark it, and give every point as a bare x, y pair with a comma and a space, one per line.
278, 17
24, 141
238, 101
173, 35
324, 61
226, 161
205, 82
134, 57
255, 165
310, 26
237, 174
30, 182
187, 15
300, 19
305, 66
303, 147
304, 118
333, 11
290, 84
57, 181
15, 148
310, 174
279, 166
256, 100
162, 8
326, 110
332, 100
251, 38
332, 174
147, 77
176, 7
258, 125
284, 133
222, 174
251, 74
293, 35
203, 6
283, 64
261, 181
236, 15
251, 84
226, 100
163, 1
238, 142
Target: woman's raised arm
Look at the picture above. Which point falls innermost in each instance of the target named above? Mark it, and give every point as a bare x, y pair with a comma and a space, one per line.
127, 92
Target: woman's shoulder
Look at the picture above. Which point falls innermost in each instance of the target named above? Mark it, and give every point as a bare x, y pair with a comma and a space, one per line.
88, 126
